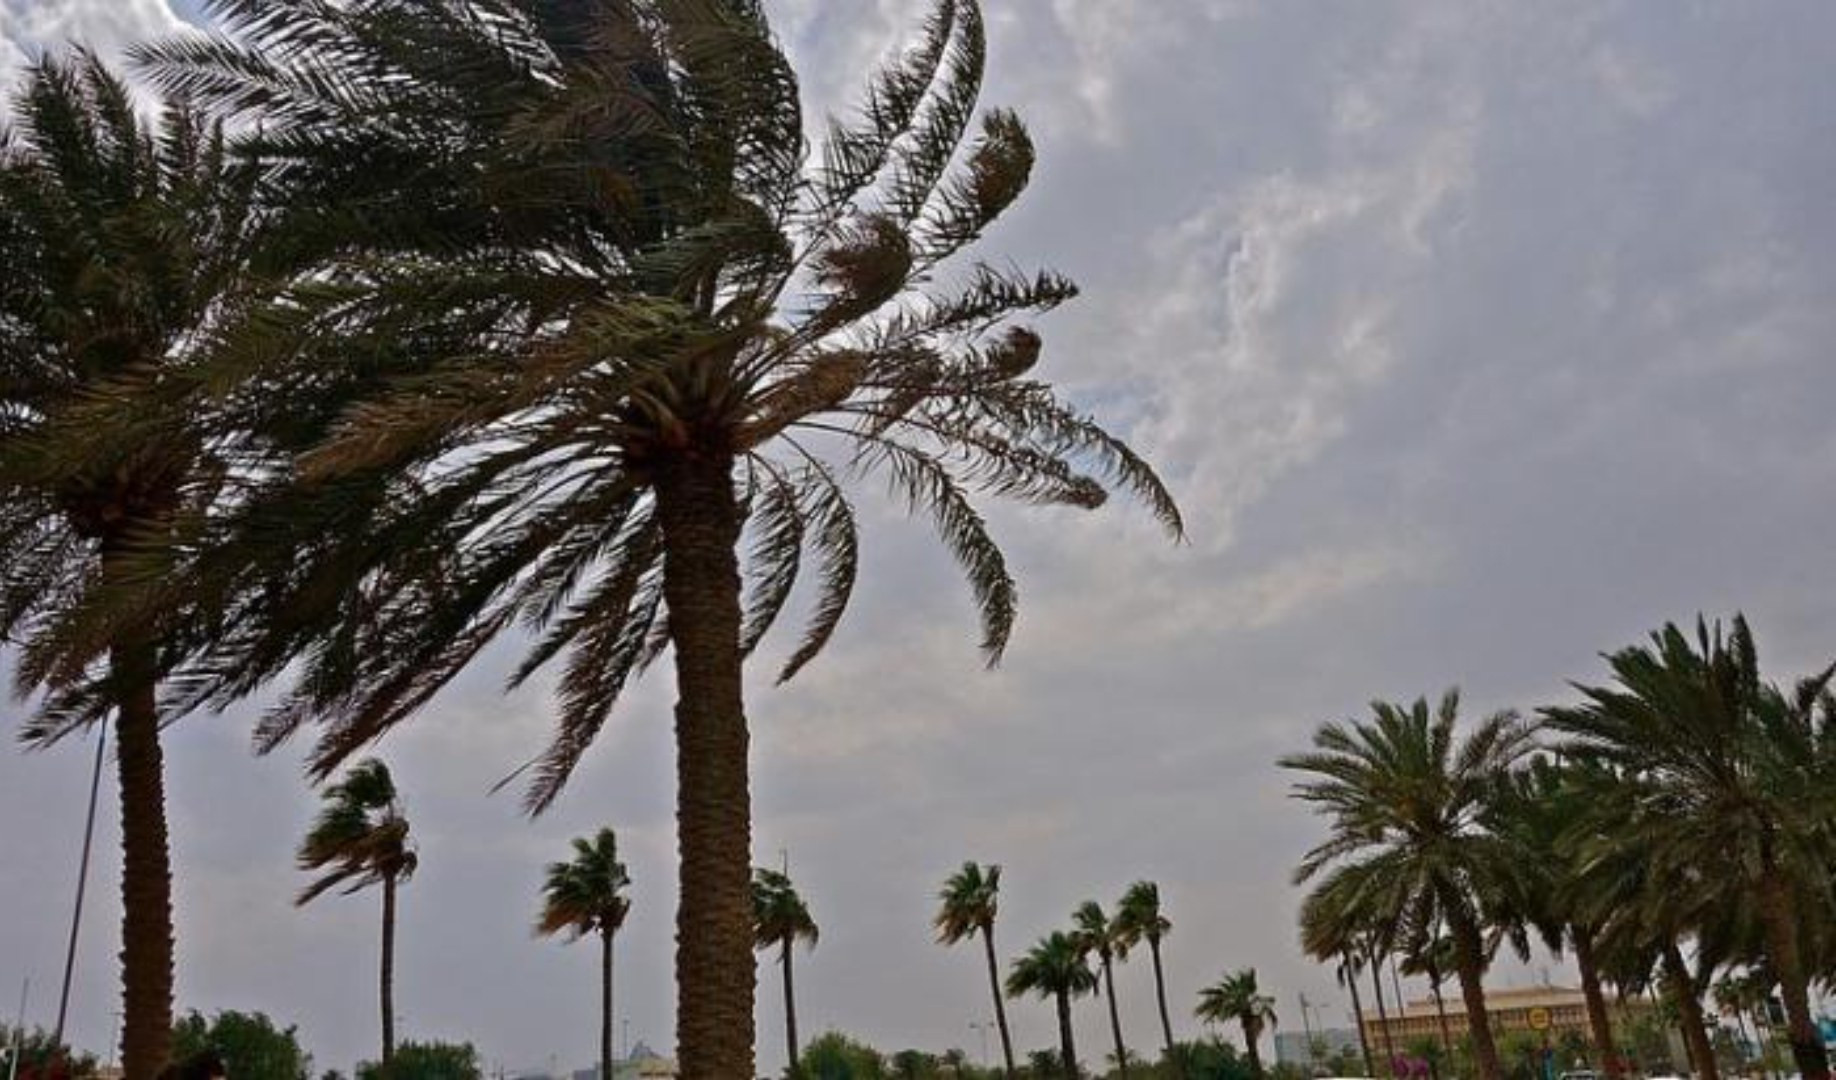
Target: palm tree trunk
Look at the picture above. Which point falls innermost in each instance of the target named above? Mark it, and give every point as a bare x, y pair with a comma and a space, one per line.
1787, 964
1067, 1050
994, 983
1689, 1008
1383, 1016
1115, 1018
605, 1001
1160, 994
386, 979
1597, 1017
715, 973
1350, 971
790, 1010
1250, 1037
146, 867
1440, 1011
1469, 958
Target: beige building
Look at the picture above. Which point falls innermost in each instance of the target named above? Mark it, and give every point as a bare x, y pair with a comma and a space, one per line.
1510, 1010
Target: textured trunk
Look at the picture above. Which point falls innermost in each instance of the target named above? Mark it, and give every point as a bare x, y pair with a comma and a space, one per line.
1364, 1041
1160, 995
1469, 958
1597, 1017
790, 1011
1383, 1016
386, 980
1435, 979
715, 973
1115, 1018
1787, 963
994, 983
1067, 1050
1689, 1010
146, 867
605, 1002
1251, 1035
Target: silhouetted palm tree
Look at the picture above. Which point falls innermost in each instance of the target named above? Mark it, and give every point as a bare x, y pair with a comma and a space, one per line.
969, 902
1138, 919
1055, 969
1404, 797
1235, 999
620, 334
780, 919
359, 839
586, 895
1096, 933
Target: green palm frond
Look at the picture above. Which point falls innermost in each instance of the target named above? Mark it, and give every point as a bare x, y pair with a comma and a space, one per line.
585, 895
1055, 965
360, 836
780, 918
968, 903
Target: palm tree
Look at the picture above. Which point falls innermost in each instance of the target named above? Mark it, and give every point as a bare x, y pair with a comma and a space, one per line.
1138, 919
1404, 797
640, 338
780, 919
586, 896
126, 239
1431, 956
968, 904
1735, 771
359, 839
1235, 999
1097, 933
1055, 968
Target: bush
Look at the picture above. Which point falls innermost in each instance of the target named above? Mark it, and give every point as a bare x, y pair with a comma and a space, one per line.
425, 1061
251, 1047
43, 1058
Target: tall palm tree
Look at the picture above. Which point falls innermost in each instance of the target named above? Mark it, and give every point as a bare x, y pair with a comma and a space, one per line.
1055, 968
641, 338
1736, 773
126, 239
1138, 919
359, 839
1236, 999
780, 919
586, 895
967, 906
1097, 933
1404, 796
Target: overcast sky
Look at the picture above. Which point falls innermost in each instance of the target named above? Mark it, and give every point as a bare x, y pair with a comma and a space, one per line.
1476, 338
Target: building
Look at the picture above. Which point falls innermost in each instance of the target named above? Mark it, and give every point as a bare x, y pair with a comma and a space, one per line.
1562, 1009
1294, 1047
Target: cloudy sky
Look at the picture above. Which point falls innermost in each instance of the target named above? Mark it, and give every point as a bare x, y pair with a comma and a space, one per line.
1476, 337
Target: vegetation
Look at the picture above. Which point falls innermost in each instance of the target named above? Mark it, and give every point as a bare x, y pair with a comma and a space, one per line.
586, 895
251, 1046
780, 919
1055, 968
1097, 935
969, 903
1235, 999
426, 1061
1138, 919
360, 839
42, 1057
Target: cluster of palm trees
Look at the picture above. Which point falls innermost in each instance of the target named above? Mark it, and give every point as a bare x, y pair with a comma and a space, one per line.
1675, 823
406, 324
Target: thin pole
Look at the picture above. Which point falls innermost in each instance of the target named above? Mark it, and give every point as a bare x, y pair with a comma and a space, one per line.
76, 910
12, 1068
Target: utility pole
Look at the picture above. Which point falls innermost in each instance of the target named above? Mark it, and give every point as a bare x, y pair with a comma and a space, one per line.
76, 910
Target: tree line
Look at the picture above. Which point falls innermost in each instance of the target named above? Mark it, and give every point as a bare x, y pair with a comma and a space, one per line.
1676, 822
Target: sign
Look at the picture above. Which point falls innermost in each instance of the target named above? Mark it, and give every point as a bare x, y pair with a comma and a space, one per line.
1539, 1019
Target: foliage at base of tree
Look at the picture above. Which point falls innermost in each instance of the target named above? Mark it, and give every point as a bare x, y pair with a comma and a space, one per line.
43, 1058
251, 1045
425, 1061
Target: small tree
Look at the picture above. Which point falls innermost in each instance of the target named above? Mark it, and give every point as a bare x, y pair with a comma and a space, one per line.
424, 1061
251, 1046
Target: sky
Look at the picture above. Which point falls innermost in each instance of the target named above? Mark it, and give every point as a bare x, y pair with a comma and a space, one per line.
1475, 338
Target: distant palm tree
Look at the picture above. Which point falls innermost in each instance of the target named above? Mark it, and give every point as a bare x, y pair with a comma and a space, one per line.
1138, 919
1096, 933
1736, 773
359, 839
1431, 955
1235, 999
1055, 968
970, 900
1404, 798
780, 919
586, 896
124, 241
